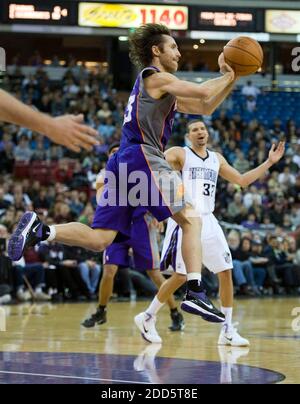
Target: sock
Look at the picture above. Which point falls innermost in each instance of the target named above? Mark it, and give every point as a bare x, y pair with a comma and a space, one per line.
48, 232
154, 307
194, 282
38, 289
174, 310
227, 311
101, 308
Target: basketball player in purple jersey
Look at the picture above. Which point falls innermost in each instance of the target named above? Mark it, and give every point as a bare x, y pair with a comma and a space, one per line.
146, 257
148, 121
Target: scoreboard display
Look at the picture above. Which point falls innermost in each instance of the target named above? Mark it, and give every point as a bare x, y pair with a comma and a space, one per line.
54, 12
226, 19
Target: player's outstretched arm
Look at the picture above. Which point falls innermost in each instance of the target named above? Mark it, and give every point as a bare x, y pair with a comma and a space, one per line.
161, 83
230, 174
217, 94
66, 130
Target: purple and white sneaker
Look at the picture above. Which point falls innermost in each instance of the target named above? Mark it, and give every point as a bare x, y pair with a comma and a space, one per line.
27, 233
199, 304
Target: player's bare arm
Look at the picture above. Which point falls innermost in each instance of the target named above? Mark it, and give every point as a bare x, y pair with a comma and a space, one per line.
208, 105
230, 174
66, 130
159, 84
176, 158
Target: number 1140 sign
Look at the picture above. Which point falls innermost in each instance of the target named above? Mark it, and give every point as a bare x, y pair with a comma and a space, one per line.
120, 15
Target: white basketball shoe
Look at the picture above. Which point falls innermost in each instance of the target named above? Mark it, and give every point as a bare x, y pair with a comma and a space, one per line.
229, 336
145, 322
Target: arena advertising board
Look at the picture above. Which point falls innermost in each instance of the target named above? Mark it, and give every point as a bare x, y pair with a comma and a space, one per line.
119, 15
282, 21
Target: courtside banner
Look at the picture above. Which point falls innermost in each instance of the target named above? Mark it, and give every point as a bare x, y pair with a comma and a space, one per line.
131, 15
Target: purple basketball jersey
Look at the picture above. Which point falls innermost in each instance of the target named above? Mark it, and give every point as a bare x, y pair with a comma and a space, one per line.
148, 121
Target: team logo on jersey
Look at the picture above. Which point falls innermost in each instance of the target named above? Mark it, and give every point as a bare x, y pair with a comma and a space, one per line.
227, 257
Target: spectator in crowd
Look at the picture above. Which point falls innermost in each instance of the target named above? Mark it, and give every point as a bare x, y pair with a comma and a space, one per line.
30, 277
241, 163
250, 90
286, 178
236, 209
284, 268
242, 267
6, 280
22, 151
259, 264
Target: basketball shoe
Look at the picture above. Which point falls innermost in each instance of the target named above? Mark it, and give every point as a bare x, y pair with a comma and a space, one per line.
198, 303
98, 318
28, 233
145, 322
177, 321
229, 336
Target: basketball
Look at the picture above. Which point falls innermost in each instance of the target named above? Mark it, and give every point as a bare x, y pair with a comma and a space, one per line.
244, 55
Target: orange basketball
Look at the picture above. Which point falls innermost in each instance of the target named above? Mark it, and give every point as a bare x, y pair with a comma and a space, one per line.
244, 55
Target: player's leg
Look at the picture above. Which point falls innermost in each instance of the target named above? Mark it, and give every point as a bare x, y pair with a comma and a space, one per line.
144, 320
31, 231
115, 255
105, 292
177, 318
107, 284
109, 219
146, 255
229, 334
217, 258
191, 245
195, 301
172, 202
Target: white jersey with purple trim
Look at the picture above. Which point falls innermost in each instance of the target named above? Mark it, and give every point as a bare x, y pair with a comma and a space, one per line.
200, 176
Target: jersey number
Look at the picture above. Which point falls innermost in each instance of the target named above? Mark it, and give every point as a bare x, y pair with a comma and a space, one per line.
128, 114
208, 189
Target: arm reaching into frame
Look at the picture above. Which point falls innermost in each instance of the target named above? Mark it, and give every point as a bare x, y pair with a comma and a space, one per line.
66, 130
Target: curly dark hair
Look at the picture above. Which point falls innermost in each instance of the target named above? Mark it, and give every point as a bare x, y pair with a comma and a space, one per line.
142, 40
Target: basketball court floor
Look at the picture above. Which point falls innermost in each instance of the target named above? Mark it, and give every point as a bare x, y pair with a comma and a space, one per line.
46, 344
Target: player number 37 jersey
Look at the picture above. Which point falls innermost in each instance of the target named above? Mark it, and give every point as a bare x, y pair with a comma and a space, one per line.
200, 177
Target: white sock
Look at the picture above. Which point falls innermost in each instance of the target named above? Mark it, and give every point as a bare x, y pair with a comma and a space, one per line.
227, 311
154, 307
38, 289
194, 276
52, 233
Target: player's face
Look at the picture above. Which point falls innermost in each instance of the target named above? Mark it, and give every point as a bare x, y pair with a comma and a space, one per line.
198, 134
169, 55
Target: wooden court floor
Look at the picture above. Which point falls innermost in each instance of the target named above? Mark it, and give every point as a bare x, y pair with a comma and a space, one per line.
46, 344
